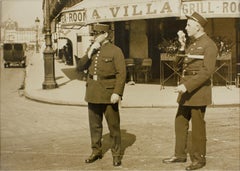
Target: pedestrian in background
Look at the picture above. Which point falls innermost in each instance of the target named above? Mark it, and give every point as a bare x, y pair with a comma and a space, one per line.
104, 88
194, 93
64, 54
68, 53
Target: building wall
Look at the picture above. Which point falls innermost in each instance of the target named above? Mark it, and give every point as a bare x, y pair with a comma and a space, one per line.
84, 41
138, 42
20, 35
226, 29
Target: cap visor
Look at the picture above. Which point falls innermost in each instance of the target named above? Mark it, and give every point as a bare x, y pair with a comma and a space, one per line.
192, 18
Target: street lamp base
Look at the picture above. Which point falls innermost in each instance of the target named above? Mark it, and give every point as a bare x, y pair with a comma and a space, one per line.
49, 85
49, 69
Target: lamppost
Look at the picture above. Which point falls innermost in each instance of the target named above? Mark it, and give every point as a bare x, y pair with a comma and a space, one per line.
37, 21
48, 54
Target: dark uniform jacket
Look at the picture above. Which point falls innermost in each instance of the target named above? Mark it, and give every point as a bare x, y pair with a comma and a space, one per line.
197, 77
106, 73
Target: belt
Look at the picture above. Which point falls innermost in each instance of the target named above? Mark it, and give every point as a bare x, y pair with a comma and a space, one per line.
97, 77
189, 73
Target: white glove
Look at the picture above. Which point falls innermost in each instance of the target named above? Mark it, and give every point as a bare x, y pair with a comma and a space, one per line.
101, 37
95, 45
181, 39
180, 89
115, 98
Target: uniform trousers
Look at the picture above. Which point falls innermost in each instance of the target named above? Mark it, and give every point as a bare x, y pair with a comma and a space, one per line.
111, 112
183, 116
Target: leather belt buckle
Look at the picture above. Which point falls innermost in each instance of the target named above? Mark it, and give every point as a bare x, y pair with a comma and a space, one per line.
95, 77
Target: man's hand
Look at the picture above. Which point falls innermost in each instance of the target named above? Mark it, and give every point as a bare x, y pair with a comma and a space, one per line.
182, 39
180, 89
101, 37
95, 45
115, 98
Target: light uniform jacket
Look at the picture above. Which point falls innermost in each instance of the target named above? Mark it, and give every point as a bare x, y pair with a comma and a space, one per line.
198, 84
106, 73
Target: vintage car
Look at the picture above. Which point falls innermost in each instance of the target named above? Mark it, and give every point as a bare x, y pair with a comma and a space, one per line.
14, 54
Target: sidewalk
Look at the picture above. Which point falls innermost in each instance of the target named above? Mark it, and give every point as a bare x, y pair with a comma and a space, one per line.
71, 90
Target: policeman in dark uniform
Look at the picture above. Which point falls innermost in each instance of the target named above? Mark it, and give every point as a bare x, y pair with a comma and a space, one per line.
194, 93
104, 88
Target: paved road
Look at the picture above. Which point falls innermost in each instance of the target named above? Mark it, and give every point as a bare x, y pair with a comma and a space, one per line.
38, 136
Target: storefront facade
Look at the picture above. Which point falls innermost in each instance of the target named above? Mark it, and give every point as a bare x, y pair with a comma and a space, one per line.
140, 26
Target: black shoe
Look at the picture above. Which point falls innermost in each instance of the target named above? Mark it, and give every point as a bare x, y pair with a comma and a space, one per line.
93, 158
116, 161
195, 165
174, 160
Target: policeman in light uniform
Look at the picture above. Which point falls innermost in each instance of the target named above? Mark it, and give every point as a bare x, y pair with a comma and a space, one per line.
194, 93
104, 88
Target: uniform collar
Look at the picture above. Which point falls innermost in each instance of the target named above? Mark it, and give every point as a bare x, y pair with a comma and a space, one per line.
200, 37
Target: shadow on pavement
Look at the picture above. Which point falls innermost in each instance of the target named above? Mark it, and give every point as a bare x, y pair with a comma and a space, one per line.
71, 73
127, 140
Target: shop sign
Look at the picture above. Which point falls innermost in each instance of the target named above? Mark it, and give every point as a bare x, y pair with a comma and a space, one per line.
134, 10
77, 17
212, 8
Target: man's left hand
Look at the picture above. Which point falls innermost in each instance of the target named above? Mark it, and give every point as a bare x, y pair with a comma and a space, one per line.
115, 98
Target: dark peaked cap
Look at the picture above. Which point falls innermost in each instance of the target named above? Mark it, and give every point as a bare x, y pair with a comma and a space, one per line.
100, 27
198, 18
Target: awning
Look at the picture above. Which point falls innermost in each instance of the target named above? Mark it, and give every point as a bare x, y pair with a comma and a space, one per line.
75, 15
133, 10
92, 11
212, 8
